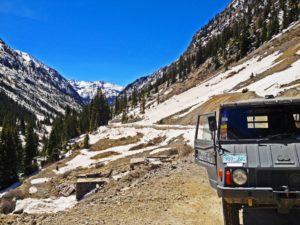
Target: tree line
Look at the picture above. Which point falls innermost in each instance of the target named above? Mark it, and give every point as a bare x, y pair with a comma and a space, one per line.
20, 144
17, 159
73, 124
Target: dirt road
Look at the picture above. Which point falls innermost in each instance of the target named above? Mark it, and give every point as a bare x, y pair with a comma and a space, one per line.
177, 193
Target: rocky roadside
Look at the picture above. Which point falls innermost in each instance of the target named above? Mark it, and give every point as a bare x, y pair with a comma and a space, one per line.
174, 193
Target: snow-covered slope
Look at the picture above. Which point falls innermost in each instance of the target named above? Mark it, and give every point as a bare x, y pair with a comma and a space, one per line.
87, 89
224, 83
218, 43
273, 69
34, 85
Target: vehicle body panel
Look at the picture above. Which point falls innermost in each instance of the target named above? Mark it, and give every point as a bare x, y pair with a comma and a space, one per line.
272, 165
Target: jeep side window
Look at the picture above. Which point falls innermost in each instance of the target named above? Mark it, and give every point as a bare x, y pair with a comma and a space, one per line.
203, 129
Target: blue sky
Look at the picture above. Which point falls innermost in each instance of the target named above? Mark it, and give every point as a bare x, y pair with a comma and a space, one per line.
111, 40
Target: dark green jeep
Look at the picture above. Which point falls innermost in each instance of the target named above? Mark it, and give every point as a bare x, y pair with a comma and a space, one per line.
252, 157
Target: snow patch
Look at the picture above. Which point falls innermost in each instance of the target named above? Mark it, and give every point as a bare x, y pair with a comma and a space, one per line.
38, 206
274, 83
120, 175
110, 133
85, 158
33, 190
40, 181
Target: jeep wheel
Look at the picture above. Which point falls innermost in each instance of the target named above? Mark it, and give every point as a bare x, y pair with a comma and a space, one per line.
231, 213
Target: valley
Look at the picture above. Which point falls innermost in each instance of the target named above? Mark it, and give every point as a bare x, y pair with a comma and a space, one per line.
139, 139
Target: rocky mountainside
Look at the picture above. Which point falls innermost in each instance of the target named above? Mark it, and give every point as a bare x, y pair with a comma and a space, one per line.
246, 30
87, 89
243, 26
34, 85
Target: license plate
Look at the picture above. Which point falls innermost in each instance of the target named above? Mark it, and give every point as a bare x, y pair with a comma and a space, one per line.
234, 158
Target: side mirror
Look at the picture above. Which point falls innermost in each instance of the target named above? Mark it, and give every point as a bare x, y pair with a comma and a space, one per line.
212, 123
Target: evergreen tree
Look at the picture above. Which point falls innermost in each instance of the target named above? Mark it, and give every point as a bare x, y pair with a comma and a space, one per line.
84, 119
44, 143
124, 117
181, 67
156, 87
264, 34
125, 102
294, 10
99, 111
117, 106
8, 155
30, 150
54, 142
143, 105
70, 126
19, 151
199, 57
86, 141
13, 110
134, 97
2, 164
22, 126
245, 41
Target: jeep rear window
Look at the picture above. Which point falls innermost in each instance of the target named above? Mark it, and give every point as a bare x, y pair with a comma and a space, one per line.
256, 122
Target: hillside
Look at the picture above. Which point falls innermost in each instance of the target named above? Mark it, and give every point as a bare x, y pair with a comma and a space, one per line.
13, 109
37, 87
266, 71
189, 85
88, 89
244, 31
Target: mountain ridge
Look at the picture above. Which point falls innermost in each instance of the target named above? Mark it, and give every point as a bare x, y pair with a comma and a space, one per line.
240, 28
88, 89
34, 85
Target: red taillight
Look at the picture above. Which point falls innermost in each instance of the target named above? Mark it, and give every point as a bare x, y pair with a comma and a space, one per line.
228, 178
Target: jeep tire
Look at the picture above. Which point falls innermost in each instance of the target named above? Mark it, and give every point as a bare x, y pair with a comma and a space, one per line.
231, 213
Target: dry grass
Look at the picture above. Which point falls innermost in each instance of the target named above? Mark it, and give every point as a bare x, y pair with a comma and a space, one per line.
7, 206
8, 201
293, 92
288, 53
14, 194
153, 142
295, 82
121, 164
184, 150
105, 155
173, 151
104, 144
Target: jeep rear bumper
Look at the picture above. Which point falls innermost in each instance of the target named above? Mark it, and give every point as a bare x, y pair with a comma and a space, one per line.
258, 195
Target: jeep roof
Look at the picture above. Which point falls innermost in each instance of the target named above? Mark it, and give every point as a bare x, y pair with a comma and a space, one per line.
263, 101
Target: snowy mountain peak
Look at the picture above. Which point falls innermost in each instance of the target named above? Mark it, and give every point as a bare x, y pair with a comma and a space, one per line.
34, 85
88, 89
